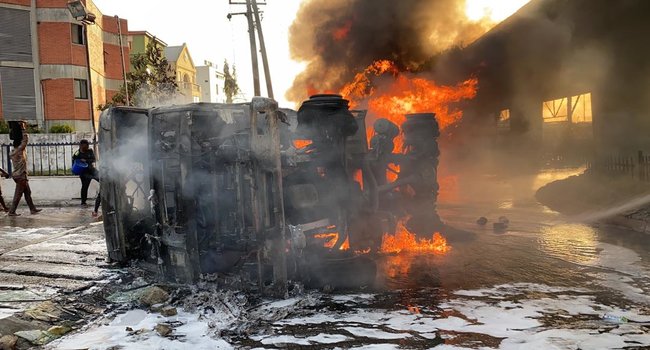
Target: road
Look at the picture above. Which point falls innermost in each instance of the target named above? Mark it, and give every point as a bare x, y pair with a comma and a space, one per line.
58, 250
544, 283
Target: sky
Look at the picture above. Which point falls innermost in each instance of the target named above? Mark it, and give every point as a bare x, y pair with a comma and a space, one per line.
203, 25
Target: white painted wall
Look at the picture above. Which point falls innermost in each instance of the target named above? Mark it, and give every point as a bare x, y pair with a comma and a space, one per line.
211, 83
44, 159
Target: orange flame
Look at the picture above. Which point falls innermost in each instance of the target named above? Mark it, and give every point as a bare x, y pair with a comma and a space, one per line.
299, 144
361, 87
405, 94
405, 241
331, 238
357, 176
342, 32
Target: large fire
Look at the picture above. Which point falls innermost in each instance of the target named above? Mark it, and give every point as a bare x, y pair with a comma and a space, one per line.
390, 93
402, 93
405, 241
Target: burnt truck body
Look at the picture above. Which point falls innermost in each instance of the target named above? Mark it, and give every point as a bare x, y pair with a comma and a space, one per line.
267, 193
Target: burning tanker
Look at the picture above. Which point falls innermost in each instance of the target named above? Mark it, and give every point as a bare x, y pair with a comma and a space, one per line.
271, 194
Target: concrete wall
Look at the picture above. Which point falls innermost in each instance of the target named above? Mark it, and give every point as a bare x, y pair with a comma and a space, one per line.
45, 159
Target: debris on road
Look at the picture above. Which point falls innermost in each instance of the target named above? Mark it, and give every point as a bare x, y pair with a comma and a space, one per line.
163, 329
152, 296
8, 342
169, 311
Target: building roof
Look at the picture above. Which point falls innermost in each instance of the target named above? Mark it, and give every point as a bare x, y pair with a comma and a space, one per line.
147, 34
173, 52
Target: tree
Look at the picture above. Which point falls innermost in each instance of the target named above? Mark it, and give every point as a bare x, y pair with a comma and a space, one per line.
150, 81
230, 86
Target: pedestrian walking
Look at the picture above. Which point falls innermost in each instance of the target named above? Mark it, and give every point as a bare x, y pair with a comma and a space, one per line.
19, 173
85, 158
6, 175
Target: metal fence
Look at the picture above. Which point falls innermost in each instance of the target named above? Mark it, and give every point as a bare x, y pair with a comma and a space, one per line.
637, 166
44, 159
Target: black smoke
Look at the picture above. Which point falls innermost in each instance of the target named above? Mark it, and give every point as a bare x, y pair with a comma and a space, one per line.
338, 38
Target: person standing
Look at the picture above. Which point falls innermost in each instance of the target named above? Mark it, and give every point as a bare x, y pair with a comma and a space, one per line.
6, 175
19, 173
86, 155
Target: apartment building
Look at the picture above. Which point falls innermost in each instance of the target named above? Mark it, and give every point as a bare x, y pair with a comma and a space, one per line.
55, 69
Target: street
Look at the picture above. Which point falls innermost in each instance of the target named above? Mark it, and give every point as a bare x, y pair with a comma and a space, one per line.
545, 283
58, 250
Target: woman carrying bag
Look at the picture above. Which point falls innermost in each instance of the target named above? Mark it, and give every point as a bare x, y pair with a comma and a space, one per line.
83, 164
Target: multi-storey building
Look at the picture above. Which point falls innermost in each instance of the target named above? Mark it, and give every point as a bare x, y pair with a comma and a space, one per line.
183, 66
211, 82
139, 40
55, 69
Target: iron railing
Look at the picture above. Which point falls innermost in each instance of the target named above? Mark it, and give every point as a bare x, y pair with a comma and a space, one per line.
634, 166
43, 159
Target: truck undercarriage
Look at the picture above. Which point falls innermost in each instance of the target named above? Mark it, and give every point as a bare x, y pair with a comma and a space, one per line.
265, 193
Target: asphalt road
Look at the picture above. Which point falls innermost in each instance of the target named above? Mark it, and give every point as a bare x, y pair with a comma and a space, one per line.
546, 282
40, 255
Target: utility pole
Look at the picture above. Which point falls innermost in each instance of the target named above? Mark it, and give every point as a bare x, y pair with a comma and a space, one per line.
265, 60
251, 35
126, 85
253, 16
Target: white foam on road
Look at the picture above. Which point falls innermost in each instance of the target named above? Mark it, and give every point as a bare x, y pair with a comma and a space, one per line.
193, 334
512, 316
519, 313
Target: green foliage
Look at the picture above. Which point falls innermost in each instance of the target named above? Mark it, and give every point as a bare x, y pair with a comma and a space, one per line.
230, 86
33, 129
151, 78
61, 129
4, 127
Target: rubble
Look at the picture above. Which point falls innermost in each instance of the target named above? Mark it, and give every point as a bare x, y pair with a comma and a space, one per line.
153, 295
156, 307
36, 337
168, 311
46, 311
8, 342
163, 329
59, 330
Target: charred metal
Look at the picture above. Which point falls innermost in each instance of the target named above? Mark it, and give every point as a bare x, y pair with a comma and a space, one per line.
271, 195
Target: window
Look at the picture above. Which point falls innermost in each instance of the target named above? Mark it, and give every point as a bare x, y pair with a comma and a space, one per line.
78, 34
555, 111
503, 122
581, 109
576, 109
81, 89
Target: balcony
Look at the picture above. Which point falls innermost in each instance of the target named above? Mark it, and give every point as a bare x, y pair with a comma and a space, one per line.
190, 90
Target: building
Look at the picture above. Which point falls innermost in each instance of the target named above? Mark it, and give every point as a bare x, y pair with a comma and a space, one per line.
46, 74
139, 40
181, 62
211, 82
562, 75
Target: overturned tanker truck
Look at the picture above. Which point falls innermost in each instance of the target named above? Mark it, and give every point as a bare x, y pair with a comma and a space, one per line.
263, 193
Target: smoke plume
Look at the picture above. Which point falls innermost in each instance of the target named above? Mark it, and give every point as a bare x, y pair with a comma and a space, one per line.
338, 38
